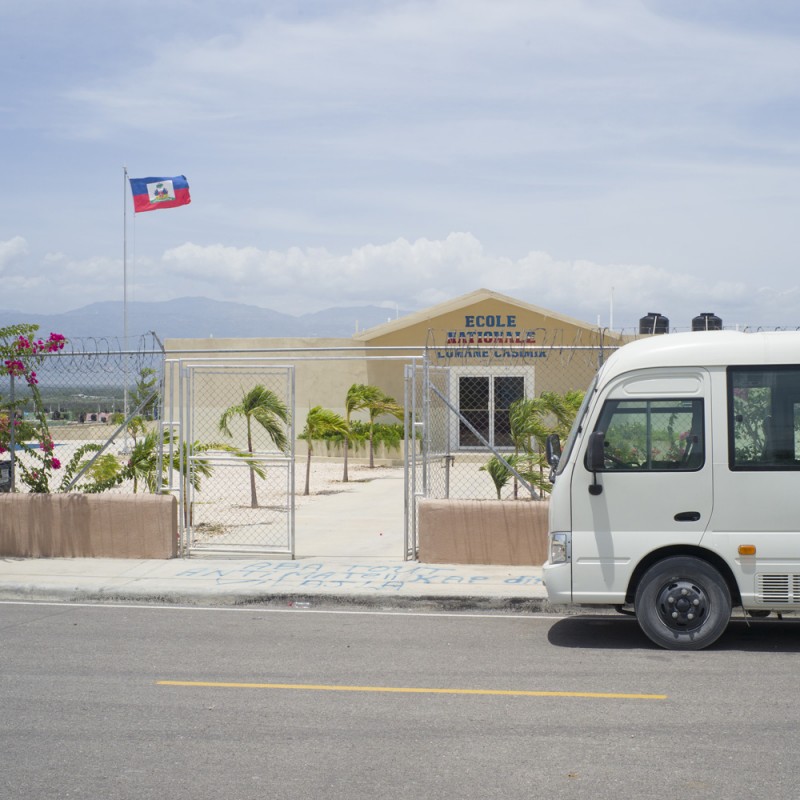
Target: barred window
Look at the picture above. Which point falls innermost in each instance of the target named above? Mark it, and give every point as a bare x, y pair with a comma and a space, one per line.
484, 401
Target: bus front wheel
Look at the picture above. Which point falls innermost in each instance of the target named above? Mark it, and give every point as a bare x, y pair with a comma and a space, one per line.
683, 603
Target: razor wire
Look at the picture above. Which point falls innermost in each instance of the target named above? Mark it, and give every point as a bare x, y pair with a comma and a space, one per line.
89, 392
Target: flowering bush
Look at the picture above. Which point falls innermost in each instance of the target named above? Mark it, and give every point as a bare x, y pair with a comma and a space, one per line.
20, 353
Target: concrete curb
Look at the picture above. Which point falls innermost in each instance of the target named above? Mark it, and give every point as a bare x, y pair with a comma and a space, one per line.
297, 601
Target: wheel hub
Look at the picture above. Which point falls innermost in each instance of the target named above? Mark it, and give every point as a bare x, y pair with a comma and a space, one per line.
682, 605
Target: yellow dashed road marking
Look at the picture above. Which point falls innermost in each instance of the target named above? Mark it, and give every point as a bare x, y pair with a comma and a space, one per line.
312, 687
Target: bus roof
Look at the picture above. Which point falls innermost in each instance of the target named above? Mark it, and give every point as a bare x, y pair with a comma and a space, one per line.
706, 349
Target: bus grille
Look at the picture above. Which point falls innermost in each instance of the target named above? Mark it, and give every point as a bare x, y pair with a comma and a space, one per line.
783, 589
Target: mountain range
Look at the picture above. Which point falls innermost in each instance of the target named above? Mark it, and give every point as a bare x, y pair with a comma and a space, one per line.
200, 317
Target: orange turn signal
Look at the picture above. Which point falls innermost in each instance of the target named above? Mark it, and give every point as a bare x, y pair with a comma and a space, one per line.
747, 549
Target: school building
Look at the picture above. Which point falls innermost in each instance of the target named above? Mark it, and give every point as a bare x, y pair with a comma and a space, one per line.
486, 350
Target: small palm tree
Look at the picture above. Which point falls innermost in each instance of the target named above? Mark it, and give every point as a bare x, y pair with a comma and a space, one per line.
143, 464
531, 421
499, 472
359, 396
320, 422
270, 412
378, 405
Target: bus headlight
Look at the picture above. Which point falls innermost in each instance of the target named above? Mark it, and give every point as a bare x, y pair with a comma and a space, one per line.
559, 548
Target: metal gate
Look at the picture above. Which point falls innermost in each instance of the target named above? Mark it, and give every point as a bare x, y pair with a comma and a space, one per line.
231, 449
435, 430
422, 446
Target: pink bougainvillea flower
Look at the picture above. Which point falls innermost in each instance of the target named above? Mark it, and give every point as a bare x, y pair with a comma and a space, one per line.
55, 342
15, 367
56, 464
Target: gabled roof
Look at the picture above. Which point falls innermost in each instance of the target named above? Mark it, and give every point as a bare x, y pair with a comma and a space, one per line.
464, 301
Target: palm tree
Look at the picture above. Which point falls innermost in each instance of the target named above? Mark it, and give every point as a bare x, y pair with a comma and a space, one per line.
142, 466
270, 412
499, 472
531, 421
144, 458
359, 396
380, 404
319, 422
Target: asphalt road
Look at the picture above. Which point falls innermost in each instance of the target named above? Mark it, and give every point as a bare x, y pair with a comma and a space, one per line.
141, 702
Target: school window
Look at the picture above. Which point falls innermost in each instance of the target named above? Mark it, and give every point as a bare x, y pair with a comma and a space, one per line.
764, 418
484, 401
653, 435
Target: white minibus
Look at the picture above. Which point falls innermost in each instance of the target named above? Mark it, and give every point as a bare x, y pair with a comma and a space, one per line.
677, 494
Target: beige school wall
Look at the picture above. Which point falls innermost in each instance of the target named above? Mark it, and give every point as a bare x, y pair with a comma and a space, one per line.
324, 370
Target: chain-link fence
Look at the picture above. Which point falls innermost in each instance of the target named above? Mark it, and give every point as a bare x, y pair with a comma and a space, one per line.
234, 454
471, 448
87, 394
204, 435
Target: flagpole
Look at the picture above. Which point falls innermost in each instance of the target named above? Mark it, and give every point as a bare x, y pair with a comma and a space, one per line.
125, 261
125, 297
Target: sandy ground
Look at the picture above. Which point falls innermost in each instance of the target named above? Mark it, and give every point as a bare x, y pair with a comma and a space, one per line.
222, 512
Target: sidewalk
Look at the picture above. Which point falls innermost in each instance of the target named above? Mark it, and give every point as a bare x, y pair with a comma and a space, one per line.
384, 583
349, 551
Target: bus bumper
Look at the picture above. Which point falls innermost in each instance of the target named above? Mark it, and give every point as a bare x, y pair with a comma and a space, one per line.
558, 581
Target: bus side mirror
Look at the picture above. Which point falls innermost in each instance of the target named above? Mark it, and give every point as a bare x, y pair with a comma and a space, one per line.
596, 459
553, 450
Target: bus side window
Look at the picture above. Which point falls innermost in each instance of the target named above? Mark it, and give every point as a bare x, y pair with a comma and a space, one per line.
764, 414
653, 435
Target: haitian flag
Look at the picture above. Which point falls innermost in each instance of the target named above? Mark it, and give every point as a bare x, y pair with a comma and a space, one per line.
152, 193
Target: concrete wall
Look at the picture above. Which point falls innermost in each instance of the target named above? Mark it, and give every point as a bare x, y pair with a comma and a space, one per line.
482, 532
88, 526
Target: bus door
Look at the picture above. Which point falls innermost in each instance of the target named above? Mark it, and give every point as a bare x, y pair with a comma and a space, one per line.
652, 485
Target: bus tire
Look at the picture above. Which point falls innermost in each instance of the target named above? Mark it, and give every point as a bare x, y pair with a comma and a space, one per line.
683, 603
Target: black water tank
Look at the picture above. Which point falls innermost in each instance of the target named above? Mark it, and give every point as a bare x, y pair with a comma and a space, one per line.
706, 321
654, 323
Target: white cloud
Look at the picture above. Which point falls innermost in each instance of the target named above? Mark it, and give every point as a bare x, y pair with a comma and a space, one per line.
58, 283
417, 274
411, 275
12, 251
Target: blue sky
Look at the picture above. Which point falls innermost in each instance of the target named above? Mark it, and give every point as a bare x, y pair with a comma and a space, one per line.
388, 152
